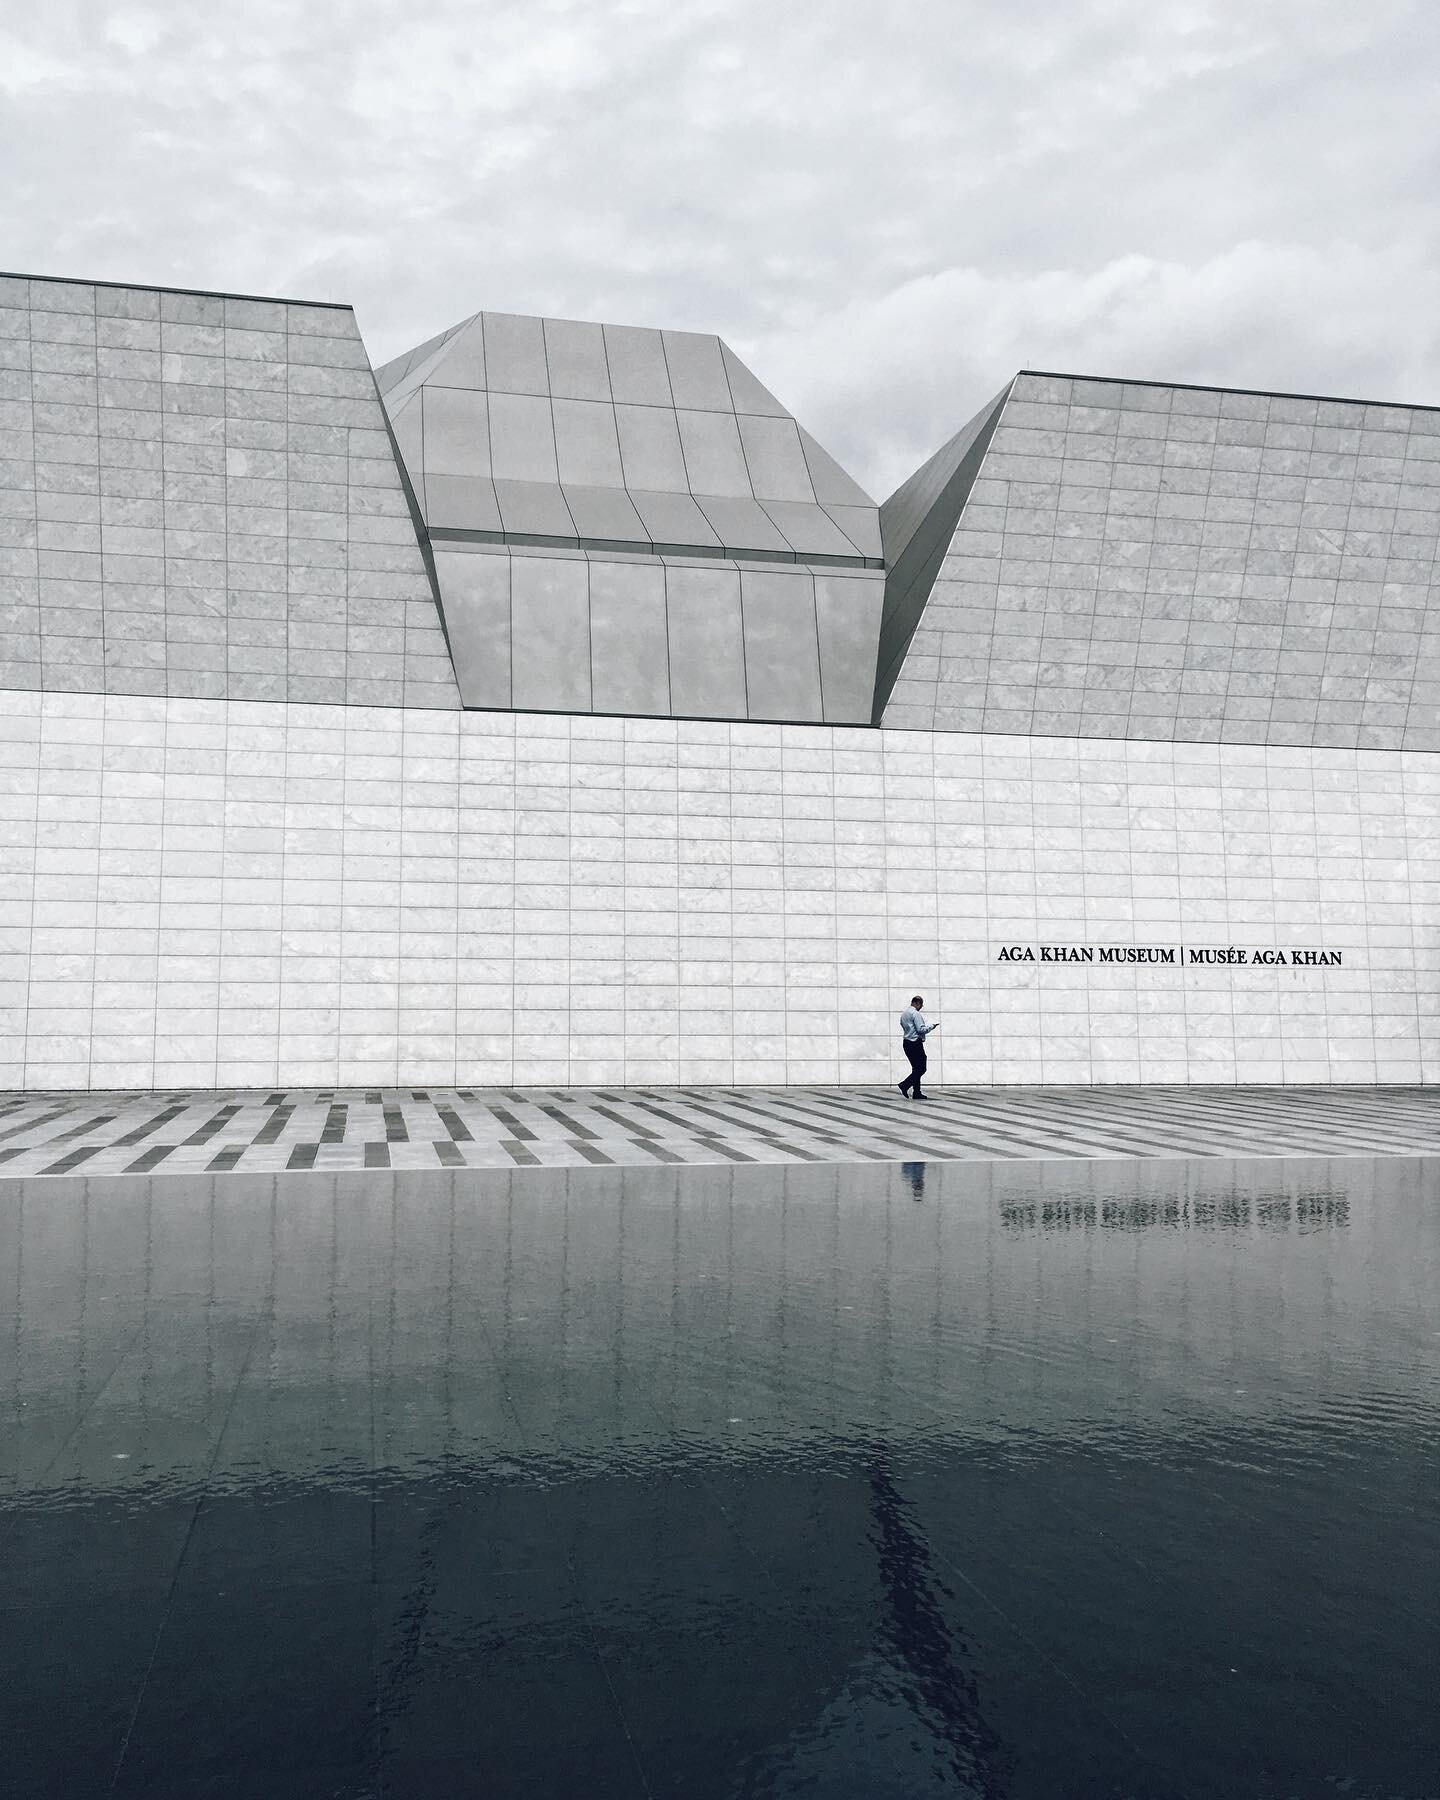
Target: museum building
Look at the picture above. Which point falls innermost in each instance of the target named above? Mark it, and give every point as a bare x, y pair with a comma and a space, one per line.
548, 707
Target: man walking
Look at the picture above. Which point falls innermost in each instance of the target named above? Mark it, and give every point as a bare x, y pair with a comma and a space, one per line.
915, 1031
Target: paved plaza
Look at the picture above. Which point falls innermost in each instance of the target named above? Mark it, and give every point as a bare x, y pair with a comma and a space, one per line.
113, 1134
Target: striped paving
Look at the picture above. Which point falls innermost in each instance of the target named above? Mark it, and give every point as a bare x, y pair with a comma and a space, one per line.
412, 1128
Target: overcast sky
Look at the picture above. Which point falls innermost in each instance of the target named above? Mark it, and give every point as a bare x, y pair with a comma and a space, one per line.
885, 208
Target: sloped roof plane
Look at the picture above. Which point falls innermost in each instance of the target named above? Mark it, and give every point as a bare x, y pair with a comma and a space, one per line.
601, 436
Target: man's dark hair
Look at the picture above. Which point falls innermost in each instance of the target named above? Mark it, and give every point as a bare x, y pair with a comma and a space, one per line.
915, 1000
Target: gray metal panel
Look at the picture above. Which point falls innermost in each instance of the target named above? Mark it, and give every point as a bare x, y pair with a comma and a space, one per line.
462, 364
697, 374
407, 427
586, 444
741, 524
575, 354
404, 368
629, 659
636, 358
782, 653
848, 609
550, 633
457, 432
418, 368
775, 460
522, 438
475, 593
832, 485
917, 523
809, 530
604, 512
650, 448
515, 354
861, 524
707, 645
461, 503
714, 461
534, 509
673, 519
749, 395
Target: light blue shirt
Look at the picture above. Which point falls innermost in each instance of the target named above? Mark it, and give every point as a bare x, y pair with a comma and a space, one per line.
912, 1023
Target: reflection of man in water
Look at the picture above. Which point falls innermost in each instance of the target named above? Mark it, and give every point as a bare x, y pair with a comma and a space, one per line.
914, 1032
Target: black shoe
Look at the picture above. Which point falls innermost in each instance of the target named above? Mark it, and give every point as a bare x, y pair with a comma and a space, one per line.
922, 1096
905, 1092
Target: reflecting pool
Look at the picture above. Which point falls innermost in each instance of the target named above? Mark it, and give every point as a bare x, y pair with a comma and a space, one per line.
1034, 1480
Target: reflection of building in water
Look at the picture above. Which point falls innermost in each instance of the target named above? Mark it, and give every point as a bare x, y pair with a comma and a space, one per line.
1229, 1212
672, 1300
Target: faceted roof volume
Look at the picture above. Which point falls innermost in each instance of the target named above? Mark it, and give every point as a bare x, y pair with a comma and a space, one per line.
548, 431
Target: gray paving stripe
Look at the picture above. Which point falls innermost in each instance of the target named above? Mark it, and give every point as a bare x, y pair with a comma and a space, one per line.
86, 1128
908, 1139
891, 1132
72, 1160
1281, 1123
632, 1126
1163, 1120
1136, 1138
335, 1128
148, 1159
733, 1123
38, 1124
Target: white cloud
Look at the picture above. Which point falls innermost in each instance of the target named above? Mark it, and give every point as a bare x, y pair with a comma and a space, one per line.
889, 206
886, 380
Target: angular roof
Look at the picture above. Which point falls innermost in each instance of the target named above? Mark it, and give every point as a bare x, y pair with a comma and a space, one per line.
553, 431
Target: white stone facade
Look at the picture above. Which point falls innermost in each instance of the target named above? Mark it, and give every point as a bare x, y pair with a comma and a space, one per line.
198, 892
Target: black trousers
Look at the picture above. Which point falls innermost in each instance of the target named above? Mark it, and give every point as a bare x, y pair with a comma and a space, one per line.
915, 1055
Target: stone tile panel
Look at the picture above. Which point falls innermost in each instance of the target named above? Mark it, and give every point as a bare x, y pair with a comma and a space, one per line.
198, 497
1196, 565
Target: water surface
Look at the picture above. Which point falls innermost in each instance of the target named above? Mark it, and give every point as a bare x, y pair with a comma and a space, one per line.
1030, 1480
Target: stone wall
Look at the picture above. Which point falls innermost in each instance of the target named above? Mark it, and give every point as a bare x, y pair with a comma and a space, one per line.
198, 892
1189, 564
198, 497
